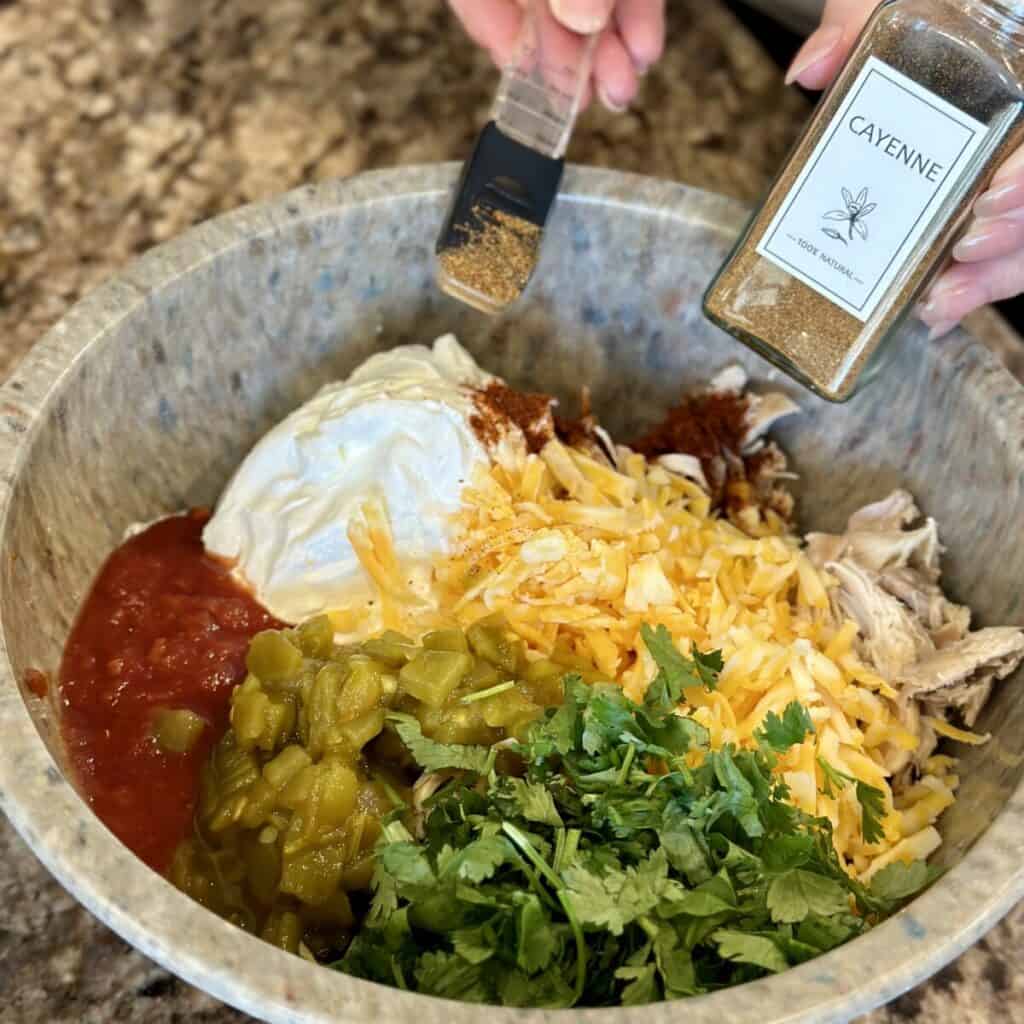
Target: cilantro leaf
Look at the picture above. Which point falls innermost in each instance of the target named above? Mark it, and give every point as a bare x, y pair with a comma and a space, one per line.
686, 853
797, 893
448, 976
536, 940
750, 949
715, 896
557, 733
900, 881
643, 985
872, 812
531, 800
616, 898
384, 903
473, 863
779, 734
475, 945
675, 966
435, 756
546, 991
671, 664
871, 800
788, 851
737, 794
407, 864
825, 933
835, 780
607, 718
708, 666
676, 672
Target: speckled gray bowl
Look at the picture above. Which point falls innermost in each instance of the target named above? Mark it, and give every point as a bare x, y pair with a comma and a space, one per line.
147, 395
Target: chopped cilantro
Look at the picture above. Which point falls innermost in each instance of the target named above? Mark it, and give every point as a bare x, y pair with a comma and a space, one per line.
629, 863
676, 672
779, 734
870, 798
795, 894
835, 780
872, 812
899, 881
434, 756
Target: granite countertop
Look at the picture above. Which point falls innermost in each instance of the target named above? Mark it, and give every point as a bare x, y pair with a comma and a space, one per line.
125, 121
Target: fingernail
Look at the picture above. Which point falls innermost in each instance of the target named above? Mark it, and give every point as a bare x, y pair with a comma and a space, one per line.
940, 330
580, 15
816, 49
1001, 199
945, 284
614, 105
991, 238
1010, 167
950, 303
975, 245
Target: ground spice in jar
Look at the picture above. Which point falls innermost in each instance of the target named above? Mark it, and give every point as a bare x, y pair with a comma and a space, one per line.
493, 260
873, 197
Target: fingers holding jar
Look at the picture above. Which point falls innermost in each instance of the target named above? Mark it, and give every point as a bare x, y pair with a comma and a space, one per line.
988, 261
632, 36
820, 58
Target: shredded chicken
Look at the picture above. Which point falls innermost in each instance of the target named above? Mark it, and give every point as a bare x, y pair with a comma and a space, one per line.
945, 621
887, 570
961, 675
423, 789
687, 466
891, 638
763, 412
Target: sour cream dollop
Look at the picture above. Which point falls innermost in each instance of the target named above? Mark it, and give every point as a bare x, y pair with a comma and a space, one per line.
397, 430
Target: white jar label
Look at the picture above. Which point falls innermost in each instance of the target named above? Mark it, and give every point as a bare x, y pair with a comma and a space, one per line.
871, 188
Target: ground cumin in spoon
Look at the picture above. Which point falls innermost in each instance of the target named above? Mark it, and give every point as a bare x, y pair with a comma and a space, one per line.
873, 197
492, 266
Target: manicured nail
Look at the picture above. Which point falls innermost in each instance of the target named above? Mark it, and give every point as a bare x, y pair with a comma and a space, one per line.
946, 283
612, 104
990, 239
940, 330
1010, 167
816, 49
977, 244
583, 16
1001, 198
951, 303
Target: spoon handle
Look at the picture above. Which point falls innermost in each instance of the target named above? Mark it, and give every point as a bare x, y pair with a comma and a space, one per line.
544, 86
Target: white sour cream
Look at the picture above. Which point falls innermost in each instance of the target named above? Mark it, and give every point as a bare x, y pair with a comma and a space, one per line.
397, 430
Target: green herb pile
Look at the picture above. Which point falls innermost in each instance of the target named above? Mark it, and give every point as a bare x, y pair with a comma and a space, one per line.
627, 863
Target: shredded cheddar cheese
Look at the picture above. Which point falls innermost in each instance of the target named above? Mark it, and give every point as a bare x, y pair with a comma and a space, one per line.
577, 556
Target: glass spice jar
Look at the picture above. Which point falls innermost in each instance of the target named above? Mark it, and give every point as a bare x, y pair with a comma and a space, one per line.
877, 189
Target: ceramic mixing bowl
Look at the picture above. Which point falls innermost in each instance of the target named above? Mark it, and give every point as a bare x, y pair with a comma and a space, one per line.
147, 395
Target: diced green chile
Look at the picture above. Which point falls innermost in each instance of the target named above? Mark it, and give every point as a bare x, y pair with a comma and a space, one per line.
293, 795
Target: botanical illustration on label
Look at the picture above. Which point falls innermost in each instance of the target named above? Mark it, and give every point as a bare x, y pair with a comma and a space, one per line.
867, 194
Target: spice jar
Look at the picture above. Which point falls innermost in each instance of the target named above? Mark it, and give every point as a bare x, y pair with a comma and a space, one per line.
872, 198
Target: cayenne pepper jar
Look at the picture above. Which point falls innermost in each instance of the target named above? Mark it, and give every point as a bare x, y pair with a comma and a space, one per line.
872, 198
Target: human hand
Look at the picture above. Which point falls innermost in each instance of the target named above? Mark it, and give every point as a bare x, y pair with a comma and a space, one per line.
988, 261
632, 37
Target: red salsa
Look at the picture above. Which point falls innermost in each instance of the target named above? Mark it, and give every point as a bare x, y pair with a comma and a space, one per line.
164, 626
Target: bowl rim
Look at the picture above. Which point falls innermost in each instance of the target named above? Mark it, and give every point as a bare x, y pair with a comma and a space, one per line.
251, 975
